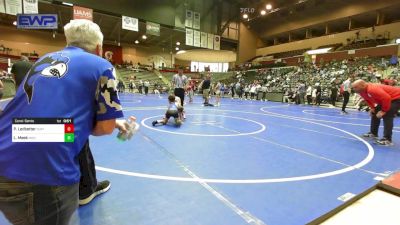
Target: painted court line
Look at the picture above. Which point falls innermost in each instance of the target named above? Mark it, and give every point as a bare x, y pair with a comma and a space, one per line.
306, 153
359, 165
395, 129
246, 216
315, 131
262, 127
129, 102
339, 117
327, 121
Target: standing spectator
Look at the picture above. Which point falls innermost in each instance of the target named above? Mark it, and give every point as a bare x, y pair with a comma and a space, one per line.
384, 102
232, 86
264, 92
240, 91
156, 90
286, 96
89, 186
302, 92
252, 91
309, 93
49, 175
293, 95
132, 86
346, 94
20, 69
217, 91
205, 86
223, 86
121, 86
237, 88
258, 91
140, 88
246, 91
190, 90
146, 87
318, 94
179, 82
334, 92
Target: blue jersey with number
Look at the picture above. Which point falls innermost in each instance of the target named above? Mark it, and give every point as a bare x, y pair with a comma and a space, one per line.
71, 83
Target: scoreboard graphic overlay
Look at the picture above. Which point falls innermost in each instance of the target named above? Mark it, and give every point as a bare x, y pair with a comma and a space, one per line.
43, 130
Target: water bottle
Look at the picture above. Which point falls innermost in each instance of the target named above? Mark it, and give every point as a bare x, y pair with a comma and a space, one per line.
132, 127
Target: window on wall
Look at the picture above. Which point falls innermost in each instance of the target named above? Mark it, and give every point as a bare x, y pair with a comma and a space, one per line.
214, 67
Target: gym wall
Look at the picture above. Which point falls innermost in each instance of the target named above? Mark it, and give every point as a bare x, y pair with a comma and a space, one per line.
42, 42
393, 28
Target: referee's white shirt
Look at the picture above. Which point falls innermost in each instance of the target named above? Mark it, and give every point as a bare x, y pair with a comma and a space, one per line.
179, 81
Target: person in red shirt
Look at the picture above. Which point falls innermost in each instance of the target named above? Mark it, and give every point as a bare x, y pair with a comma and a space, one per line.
190, 90
384, 101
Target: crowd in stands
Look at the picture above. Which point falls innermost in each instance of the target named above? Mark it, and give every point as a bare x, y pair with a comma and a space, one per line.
142, 87
308, 83
134, 67
319, 82
363, 44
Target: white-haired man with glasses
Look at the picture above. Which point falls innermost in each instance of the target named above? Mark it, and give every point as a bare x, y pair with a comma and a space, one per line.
39, 181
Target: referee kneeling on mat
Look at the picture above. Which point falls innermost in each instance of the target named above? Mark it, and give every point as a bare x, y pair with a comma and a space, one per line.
384, 102
39, 181
179, 82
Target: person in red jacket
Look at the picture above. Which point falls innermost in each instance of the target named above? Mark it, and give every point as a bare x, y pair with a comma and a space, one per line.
384, 101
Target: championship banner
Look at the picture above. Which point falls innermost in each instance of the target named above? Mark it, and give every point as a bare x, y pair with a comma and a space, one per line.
189, 37
203, 39
217, 42
153, 28
31, 7
196, 38
82, 13
196, 20
189, 18
210, 41
129, 23
13, 7
2, 7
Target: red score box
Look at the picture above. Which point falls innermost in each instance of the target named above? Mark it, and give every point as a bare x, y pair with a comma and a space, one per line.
69, 128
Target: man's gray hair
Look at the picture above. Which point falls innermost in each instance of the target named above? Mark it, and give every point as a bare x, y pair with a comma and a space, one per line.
24, 58
83, 34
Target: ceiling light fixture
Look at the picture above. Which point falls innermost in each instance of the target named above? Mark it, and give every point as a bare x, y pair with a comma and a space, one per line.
268, 6
318, 51
67, 3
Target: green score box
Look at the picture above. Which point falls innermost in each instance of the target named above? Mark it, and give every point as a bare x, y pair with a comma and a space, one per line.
69, 137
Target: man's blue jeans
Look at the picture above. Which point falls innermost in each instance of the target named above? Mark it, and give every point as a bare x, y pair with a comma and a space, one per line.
30, 204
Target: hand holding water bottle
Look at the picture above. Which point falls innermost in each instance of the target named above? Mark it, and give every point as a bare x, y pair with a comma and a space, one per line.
127, 128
